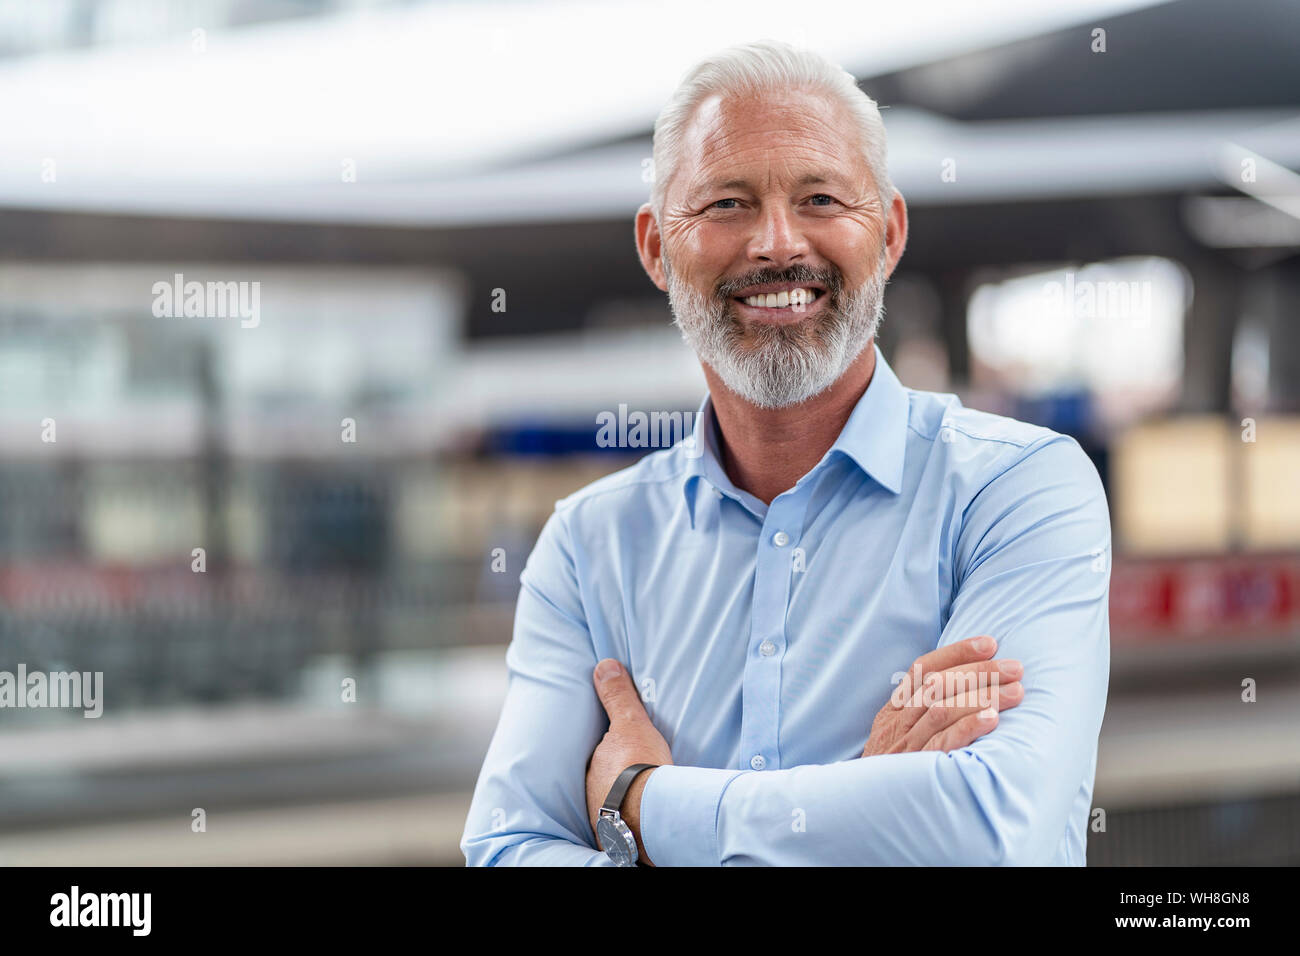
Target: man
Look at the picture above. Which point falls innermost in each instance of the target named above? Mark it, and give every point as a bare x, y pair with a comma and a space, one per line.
828, 546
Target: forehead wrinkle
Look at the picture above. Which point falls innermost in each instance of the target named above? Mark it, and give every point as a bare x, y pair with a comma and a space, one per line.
801, 169
720, 127
731, 137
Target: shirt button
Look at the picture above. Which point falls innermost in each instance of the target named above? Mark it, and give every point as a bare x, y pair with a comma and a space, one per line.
757, 762
767, 648
780, 539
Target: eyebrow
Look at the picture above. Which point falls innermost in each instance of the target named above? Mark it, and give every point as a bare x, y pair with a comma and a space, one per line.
808, 179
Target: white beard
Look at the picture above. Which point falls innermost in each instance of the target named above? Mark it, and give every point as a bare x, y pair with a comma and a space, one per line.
784, 365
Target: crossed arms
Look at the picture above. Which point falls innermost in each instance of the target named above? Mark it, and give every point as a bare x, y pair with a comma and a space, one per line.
1034, 573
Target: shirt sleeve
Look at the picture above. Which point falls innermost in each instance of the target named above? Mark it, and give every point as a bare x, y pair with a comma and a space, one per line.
1033, 570
530, 803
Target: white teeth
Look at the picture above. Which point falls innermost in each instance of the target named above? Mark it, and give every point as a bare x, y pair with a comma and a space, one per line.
781, 300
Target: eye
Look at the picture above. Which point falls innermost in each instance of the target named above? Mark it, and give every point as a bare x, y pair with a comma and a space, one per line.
828, 199
718, 204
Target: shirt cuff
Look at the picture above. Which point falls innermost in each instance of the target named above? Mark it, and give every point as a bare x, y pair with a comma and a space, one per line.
679, 815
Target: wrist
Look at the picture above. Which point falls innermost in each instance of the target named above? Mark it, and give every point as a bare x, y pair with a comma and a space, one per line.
631, 812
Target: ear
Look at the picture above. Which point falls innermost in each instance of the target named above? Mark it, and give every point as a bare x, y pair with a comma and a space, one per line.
895, 231
649, 246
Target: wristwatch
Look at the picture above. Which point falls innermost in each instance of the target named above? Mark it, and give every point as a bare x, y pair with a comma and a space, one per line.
614, 836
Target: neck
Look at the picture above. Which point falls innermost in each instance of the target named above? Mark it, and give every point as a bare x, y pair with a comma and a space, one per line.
766, 450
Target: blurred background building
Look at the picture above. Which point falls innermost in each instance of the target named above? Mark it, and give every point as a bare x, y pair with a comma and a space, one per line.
435, 200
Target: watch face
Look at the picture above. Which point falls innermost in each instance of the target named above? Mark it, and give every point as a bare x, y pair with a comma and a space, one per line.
616, 840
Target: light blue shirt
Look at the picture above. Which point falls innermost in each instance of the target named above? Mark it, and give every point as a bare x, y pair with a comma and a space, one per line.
764, 639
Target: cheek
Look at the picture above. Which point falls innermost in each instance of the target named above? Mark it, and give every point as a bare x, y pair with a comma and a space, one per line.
853, 249
714, 244
701, 253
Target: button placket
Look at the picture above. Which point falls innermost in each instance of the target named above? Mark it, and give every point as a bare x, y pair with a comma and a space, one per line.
761, 691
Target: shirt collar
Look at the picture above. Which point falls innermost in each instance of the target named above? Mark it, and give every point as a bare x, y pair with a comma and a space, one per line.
874, 438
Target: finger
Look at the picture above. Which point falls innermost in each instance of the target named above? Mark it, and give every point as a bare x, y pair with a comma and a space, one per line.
964, 732
968, 678
945, 713
941, 658
616, 692
963, 680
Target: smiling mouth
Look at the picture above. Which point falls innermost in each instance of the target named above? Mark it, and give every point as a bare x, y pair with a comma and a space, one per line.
780, 300
790, 301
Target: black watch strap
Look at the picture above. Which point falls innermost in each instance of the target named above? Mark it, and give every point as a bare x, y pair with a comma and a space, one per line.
614, 802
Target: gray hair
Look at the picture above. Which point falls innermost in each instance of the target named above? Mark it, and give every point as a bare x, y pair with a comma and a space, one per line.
766, 66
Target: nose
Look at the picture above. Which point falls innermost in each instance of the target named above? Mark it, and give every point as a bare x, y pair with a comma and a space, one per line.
778, 240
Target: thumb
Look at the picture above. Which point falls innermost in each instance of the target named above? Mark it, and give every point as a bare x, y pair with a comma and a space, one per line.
616, 692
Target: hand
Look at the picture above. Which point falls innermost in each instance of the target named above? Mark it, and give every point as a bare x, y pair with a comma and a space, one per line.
949, 698
631, 738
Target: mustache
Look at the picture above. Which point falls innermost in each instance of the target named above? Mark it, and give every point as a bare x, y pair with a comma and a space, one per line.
830, 278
